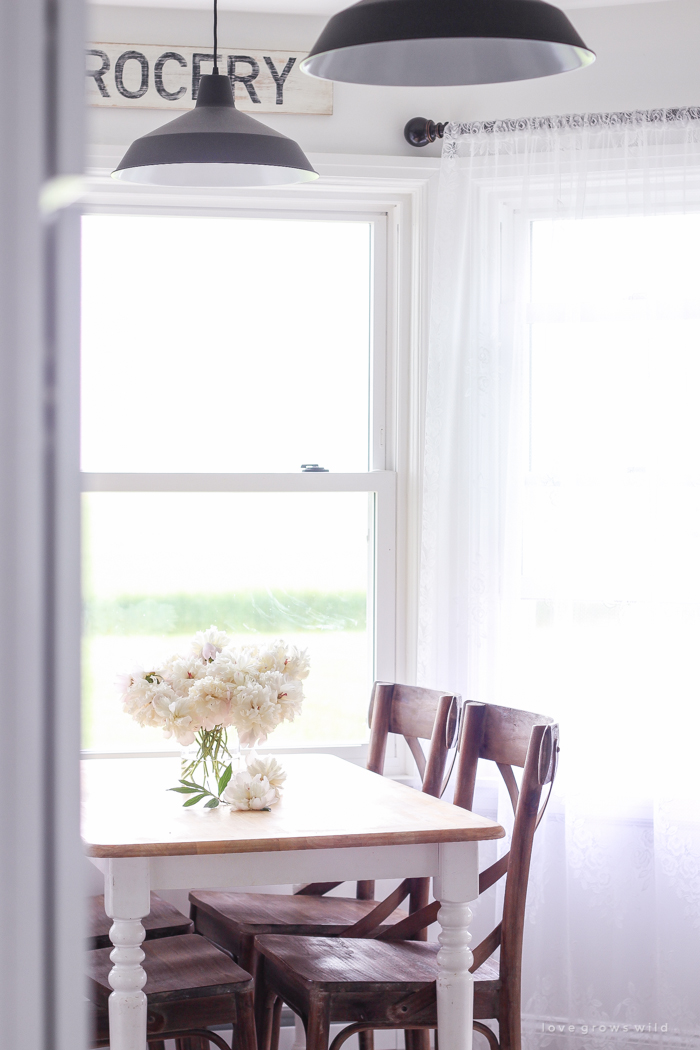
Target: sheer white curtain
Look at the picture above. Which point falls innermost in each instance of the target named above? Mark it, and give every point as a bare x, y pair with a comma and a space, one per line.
561, 536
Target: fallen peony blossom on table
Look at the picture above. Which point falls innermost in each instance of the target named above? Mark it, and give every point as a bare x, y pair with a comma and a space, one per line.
267, 766
249, 792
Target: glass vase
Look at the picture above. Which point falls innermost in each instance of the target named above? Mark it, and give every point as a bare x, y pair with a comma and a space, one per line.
204, 761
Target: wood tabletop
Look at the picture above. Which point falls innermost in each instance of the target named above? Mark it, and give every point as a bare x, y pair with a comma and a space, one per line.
328, 803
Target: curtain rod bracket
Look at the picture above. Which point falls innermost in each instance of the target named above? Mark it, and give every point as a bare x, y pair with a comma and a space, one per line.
420, 132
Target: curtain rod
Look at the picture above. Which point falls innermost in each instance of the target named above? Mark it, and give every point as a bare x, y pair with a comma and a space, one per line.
420, 132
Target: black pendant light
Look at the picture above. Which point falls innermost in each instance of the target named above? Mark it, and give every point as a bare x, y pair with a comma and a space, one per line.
431, 43
214, 145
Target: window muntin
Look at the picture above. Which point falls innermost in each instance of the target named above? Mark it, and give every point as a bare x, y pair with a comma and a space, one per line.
218, 343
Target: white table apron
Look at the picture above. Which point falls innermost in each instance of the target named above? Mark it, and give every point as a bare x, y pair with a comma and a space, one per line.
129, 881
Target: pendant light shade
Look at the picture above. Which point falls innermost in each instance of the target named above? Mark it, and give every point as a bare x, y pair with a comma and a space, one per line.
214, 145
430, 43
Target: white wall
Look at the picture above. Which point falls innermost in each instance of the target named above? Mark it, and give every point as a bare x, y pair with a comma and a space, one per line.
647, 58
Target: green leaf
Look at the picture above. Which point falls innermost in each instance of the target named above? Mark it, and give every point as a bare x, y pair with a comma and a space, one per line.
194, 801
225, 777
211, 804
185, 790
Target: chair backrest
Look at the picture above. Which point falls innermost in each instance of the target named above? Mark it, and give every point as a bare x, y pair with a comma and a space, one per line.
416, 714
510, 738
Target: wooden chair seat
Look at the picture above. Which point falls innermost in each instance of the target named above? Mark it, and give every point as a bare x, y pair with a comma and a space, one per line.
163, 920
379, 975
191, 985
228, 918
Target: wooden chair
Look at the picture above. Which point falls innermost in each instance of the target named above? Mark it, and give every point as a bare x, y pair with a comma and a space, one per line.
191, 985
163, 920
386, 981
233, 920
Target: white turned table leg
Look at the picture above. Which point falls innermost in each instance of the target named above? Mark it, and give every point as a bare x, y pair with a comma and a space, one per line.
457, 884
127, 900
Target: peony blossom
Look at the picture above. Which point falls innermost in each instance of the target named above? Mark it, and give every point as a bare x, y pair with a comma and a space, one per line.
249, 792
180, 723
297, 663
208, 644
152, 705
210, 702
182, 671
268, 767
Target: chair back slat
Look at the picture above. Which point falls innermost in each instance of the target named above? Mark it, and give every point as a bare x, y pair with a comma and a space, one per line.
506, 735
486, 948
472, 735
510, 782
412, 709
380, 706
417, 752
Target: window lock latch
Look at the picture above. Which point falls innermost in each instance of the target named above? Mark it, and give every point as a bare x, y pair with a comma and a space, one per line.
313, 468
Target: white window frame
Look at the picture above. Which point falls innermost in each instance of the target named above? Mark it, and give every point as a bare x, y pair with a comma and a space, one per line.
397, 208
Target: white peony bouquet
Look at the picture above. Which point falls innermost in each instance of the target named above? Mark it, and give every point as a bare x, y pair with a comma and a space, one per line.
198, 697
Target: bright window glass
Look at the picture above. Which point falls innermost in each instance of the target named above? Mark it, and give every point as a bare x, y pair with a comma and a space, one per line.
220, 344
159, 566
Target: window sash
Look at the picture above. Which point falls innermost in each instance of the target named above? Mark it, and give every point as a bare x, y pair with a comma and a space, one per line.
383, 411
382, 406
382, 484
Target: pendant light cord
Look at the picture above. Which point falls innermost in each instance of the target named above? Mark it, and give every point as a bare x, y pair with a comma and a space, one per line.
216, 37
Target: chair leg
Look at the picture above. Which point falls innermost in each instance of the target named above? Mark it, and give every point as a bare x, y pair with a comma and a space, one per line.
247, 955
366, 1040
264, 1002
417, 1038
191, 1043
276, 1025
318, 1023
266, 1013
244, 1037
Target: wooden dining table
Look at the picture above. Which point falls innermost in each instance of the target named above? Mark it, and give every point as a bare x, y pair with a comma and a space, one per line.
336, 821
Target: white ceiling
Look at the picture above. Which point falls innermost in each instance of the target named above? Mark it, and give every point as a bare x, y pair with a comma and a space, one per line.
311, 7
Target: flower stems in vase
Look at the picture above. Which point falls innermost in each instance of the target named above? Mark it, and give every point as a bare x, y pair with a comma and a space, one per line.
204, 762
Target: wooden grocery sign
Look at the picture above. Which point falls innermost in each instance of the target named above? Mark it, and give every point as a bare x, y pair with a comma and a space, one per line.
147, 76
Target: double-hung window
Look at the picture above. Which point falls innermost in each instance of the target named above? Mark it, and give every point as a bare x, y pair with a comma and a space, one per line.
234, 413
